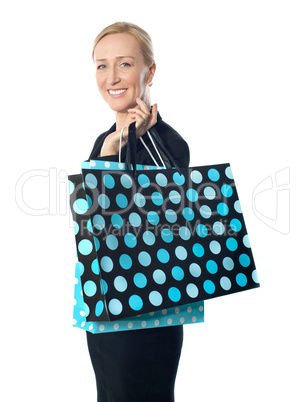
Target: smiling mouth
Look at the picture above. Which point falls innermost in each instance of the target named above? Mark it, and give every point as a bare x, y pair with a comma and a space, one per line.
116, 92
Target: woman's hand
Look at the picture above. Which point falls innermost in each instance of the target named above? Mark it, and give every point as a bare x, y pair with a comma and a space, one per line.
144, 121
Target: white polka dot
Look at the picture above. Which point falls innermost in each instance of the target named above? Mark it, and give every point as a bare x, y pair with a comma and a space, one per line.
107, 164
120, 165
82, 313
146, 167
169, 321
74, 321
75, 281
83, 324
193, 318
164, 312
151, 314
92, 163
130, 325
116, 326
182, 320
101, 327
91, 327
143, 323
189, 309
201, 308
177, 310
156, 322
75, 302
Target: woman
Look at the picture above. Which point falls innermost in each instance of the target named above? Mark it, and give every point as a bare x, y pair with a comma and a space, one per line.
135, 365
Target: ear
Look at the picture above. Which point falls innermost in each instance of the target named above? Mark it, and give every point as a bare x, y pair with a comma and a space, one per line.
152, 70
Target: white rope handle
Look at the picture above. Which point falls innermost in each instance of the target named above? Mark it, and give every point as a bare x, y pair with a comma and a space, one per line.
150, 153
120, 140
156, 150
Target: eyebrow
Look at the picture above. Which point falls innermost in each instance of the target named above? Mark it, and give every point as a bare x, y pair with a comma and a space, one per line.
118, 57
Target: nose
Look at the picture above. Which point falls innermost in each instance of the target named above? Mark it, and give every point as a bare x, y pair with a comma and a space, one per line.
113, 76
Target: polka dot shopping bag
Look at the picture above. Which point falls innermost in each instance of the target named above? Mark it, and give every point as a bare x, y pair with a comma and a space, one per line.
153, 239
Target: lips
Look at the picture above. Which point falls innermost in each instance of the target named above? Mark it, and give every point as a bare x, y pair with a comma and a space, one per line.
116, 92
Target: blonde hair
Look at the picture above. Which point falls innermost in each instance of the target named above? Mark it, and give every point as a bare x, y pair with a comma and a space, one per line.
140, 34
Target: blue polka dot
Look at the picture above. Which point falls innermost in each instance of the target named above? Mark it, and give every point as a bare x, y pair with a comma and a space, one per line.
228, 173
76, 227
95, 267
112, 242
117, 221
237, 207
231, 244
209, 287
90, 180
205, 211
246, 241
163, 255
130, 240
80, 206
174, 197
213, 174
211, 266
188, 214
104, 201
79, 269
159, 276
108, 181
89, 226
121, 200
198, 250
195, 270
179, 178
167, 235
215, 247
106, 264
140, 280
222, 208
134, 219
192, 195
136, 302
225, 283
196, 176
184, 233
241, 280
86, 309
226, 190
126, 181
153, 217
89, 200
161, 179
143, 181
177, 273
228, 263
192, 290
218, 228
181, 252
120, 283
71, 187
144, 258
244, 260
235, 225
104, 286
155, 298
255, 276
85, 247
157, 198
98, 222
99, 308
209, 193
174, 294
125, 261
139, 200
115, 307
171, 216
89, 288
96, 243
201, 230
148, 238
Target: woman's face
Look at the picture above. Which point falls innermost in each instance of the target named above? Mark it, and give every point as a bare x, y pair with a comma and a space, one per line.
121, 72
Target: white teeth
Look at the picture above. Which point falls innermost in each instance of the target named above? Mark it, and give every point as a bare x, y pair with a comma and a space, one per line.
119, 91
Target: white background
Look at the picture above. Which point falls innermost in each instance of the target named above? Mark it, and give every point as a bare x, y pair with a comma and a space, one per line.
230, 80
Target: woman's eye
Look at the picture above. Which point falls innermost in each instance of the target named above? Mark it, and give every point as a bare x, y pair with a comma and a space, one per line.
125, 64
101, 67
